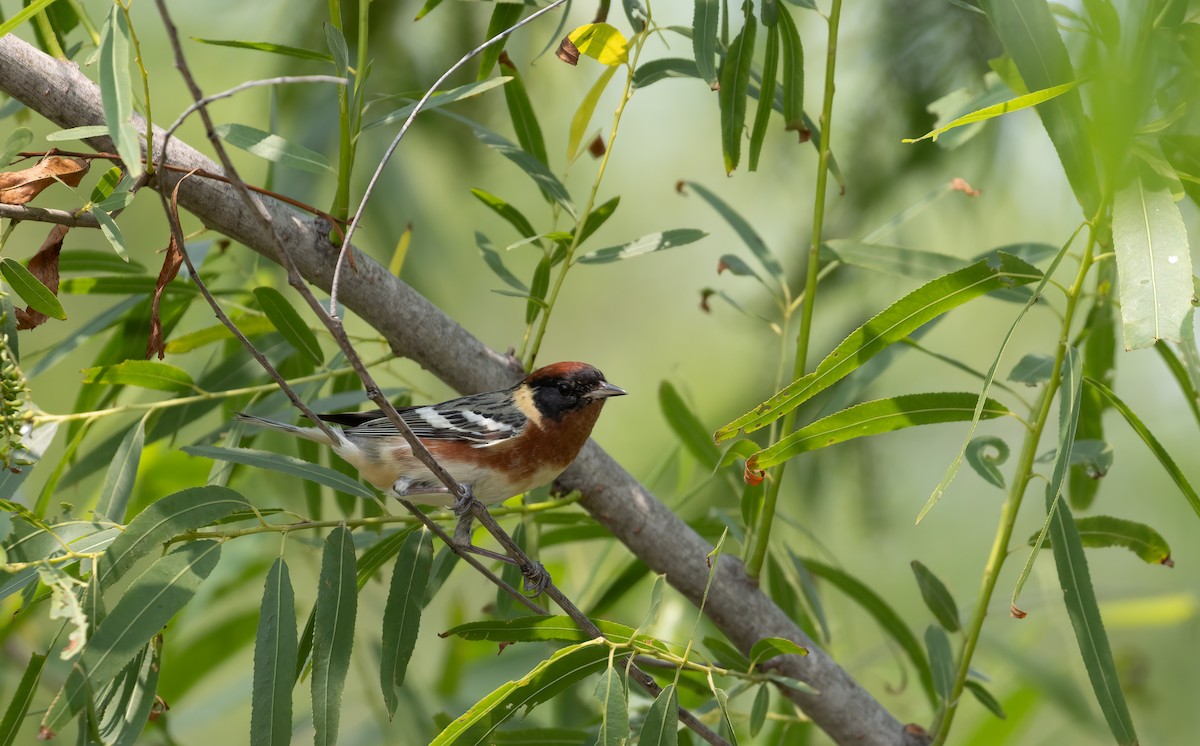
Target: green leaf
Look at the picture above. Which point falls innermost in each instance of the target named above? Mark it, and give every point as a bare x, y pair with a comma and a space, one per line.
985, 454
549, 628
547, 679
148, 374
725, 654
596, 218
114, 236
537, 290
602, 42
1080, 600
333, 633
437, 100
14, 716
995, 110
582, 117
251, 325
116, 91
985, 698
687, 426
614, 708
149, 603
704, 39
289, 323
1032, 369
284, 464
744, 230
1029, 33
512, 215
723, 704
80, 133
504, 15
937, 597
1154, 265
1098, 531
647, 244
164, 519
760, 708
266, 46
735, 79
887, 618
769, 647
274, 661
1151, 442
661, 69
874, 417
31, 290
90, 261
496, 263
402, 613
16, 141
520, 111
762, 113
273, 148
122, 724
941, 660
661, 726
119, 479
793, 77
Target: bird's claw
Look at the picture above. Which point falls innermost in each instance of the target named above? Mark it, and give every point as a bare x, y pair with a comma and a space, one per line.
463, 502
537, 578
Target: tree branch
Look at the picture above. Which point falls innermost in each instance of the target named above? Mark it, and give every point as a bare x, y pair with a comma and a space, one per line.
417, 329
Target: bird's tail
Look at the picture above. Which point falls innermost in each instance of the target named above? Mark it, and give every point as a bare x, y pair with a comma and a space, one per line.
308, 433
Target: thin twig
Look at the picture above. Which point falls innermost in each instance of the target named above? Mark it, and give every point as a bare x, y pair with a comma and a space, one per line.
387, 155
17, 213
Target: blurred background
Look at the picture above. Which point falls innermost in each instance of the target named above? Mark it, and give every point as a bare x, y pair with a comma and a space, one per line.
642, 323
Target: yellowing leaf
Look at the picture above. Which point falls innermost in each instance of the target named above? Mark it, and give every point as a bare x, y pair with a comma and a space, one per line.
601, 42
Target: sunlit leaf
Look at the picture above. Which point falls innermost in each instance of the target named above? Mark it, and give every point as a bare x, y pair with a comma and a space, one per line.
582, 118
602, 42
995, 110
148, 374
31, 290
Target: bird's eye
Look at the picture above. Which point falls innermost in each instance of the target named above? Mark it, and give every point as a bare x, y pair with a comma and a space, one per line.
564, 388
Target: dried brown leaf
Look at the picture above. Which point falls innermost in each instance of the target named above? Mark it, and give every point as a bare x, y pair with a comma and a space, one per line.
568, 52
44, 266
21, 187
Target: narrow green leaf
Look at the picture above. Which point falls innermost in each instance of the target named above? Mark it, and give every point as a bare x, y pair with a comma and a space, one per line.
114, 236
151, 600
284, 464
598, 217
274, 661
1029, 33
163, 519
148, 374
537, 290
504, 15
985, 454
1178, 371
663, 68
582, 117
744, 230
1099, 531
941, 660
469, 90
811, 593
614, 708
687, 426
792, 77
402, 613
661, 726
288, 322
887, 618
874, 417
266, 46
1080, 600
937, 597
985, 698
31, 290
549, 628
251, 325
16, 141
512, 215
990, 112
547, 679
123, 725
762, 113
769, 647
496, 263
119, 479
735, 79
1154, 265
704, 39
760, 708
1151, 442
273, 148
338, 49
723, 705
725, 654
79, 133
18, 706
647, 244
333, 633
520, 111
116, 91
81, 261
1032, 369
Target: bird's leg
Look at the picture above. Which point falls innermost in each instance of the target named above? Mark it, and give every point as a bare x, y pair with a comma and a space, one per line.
536, 577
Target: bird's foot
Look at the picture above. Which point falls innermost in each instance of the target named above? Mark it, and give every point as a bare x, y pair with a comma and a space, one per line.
464, 501
537, 578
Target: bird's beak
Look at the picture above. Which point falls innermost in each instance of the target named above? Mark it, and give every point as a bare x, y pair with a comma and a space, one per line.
604, 391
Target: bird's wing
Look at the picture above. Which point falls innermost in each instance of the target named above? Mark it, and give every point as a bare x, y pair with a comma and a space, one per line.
468, 418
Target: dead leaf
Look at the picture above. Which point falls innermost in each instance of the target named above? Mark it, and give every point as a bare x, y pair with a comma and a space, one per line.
596, 147
21, 187
44, 266
568, 52
155, 345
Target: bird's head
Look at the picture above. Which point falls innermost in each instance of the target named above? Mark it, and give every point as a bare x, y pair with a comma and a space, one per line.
565, 387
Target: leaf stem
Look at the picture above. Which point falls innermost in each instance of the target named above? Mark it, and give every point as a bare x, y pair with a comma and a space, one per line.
771, 498
1040, 414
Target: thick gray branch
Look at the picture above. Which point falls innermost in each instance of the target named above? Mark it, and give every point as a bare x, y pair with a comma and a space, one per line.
417, 329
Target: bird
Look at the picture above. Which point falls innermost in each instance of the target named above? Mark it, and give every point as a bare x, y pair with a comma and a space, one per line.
496, 444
